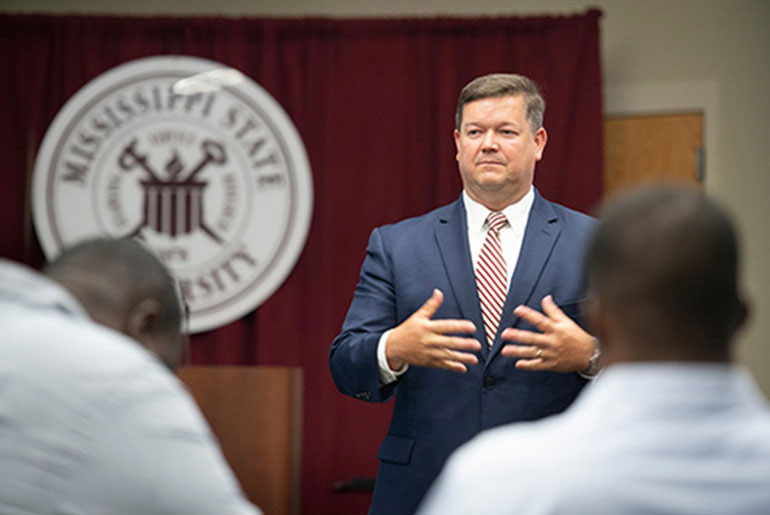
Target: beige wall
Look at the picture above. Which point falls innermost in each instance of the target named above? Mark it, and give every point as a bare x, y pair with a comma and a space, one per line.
658, 55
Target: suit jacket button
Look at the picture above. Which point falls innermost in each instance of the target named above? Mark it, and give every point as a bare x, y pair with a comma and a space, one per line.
489, 382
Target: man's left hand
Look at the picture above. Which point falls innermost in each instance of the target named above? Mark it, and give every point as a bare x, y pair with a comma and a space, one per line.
560, 346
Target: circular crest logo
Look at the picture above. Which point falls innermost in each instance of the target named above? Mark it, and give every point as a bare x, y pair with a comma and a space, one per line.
194, 159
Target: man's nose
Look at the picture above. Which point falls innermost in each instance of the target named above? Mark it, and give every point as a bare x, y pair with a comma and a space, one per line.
489, 142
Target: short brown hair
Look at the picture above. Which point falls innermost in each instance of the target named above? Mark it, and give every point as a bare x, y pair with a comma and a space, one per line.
502, 85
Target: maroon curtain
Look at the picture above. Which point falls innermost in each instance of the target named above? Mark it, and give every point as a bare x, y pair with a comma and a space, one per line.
374, 102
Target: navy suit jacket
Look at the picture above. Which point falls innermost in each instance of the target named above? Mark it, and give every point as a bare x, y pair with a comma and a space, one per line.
437, 410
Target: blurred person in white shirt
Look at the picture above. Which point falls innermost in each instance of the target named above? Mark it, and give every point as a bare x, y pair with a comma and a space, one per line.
92, 421
672, 425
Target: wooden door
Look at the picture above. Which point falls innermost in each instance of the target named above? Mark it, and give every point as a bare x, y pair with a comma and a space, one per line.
648, 148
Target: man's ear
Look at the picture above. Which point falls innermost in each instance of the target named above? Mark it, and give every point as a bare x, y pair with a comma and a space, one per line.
593, 318
142, 322
541, 138
743, 313
456, 135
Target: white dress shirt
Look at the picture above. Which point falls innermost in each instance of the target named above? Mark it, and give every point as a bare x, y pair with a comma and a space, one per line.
511, 238
90, 422
511, 234
646, 438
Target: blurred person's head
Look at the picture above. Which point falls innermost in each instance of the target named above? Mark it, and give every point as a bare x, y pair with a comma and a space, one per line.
123, 286
662, 271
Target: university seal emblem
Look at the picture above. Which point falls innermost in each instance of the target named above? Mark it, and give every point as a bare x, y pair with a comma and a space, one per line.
195, 160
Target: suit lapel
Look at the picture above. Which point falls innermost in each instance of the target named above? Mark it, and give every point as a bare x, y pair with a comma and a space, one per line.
540, 236
452, 239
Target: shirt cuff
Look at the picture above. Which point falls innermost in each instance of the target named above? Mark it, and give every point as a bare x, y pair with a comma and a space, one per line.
387, 375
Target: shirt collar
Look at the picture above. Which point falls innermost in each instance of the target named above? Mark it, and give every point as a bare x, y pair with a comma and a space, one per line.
668, 383
516, 213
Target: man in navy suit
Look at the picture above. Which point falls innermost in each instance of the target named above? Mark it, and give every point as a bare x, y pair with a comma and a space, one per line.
415, 327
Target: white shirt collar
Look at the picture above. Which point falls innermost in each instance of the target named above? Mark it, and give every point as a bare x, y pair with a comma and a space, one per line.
516, 213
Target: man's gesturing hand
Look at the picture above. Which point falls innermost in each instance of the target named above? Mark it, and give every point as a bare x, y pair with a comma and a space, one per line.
561, 346
420, 341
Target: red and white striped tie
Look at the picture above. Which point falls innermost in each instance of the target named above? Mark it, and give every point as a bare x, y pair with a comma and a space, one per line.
491, 276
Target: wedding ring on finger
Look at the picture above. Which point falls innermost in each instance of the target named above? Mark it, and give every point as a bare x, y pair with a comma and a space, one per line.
539, 353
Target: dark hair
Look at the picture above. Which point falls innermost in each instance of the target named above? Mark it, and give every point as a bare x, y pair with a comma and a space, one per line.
664, 259
124, 272
502, 85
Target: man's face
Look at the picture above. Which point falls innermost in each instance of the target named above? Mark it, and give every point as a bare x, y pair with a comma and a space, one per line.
497, 150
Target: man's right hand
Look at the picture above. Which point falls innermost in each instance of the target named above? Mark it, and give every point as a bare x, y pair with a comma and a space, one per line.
420, 341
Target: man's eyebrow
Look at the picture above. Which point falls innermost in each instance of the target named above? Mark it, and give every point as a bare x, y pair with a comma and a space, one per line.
502, 123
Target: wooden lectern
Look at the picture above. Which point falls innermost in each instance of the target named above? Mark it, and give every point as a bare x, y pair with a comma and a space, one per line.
256, 413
